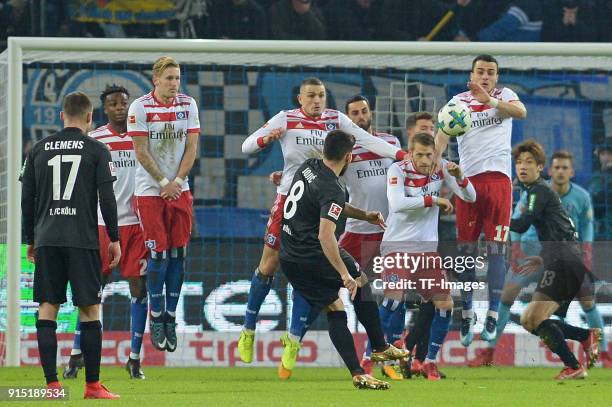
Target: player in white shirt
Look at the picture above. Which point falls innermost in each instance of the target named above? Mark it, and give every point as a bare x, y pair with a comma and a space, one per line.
414, 198
301, 134
485, 156
133, 263
165, 127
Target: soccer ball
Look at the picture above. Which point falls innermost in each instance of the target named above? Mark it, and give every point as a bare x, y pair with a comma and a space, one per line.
454, 119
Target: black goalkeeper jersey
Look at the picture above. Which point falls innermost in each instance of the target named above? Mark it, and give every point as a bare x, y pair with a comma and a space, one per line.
61, 178
315, 193
552, 223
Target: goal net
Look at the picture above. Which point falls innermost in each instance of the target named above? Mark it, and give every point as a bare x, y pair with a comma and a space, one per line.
238, 86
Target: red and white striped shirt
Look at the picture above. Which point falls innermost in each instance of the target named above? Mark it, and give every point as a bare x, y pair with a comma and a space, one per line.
366, 182
487, 146
412, 225
124, 160
304, 137
166, 126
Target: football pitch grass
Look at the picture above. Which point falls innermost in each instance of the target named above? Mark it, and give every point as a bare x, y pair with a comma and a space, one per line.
227, 387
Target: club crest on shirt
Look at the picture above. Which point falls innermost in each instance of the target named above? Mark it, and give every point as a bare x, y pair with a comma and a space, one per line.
181, 115
330, 126
334, 211
271, 239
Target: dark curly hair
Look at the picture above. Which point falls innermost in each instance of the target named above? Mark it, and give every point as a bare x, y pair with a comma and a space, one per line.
110, 89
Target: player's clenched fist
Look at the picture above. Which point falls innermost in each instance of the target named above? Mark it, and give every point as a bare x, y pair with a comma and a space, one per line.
376, 218
274, 135
445, 204
114, 251
454, 169
350, 284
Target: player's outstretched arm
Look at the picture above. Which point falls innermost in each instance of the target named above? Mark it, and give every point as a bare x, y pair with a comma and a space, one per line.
441, 142
329, 244
458, 183
368, 141
373, 217
273, 130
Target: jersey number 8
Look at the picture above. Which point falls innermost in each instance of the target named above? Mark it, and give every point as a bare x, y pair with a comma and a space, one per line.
297, 190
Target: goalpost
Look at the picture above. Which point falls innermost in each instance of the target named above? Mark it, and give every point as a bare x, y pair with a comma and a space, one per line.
435, 68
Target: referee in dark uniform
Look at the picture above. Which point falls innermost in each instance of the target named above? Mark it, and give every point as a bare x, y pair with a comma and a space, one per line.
62, 178
314, 264
565, 275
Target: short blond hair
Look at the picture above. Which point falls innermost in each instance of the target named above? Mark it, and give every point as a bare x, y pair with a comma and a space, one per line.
164, 63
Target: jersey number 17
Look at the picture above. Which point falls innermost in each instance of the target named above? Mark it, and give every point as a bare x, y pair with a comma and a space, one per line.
56, 164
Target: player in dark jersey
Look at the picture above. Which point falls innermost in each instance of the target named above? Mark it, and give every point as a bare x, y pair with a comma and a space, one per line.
317, 268
565, 275
62, 178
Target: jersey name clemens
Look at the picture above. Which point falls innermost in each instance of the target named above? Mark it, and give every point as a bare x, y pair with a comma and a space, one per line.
64, 145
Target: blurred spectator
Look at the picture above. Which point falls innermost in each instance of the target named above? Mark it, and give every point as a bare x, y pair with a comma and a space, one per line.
14, 18
238, 19
522, 22
353, 20
569, 21
601, 193
411, 20
474, 15
296, 20
604, 16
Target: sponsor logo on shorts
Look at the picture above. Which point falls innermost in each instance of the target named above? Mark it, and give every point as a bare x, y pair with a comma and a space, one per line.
151, 244
334, 211
271, 239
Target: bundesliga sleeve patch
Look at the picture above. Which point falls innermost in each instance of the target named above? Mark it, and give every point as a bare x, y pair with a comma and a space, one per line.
132, 119
334, 211
393, 181
113, 169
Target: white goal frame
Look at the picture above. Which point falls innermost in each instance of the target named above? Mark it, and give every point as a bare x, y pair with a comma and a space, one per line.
247, 52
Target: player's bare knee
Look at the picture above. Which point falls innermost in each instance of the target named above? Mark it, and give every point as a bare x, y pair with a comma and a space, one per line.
89, 313
337, 305
526, 321
48, 311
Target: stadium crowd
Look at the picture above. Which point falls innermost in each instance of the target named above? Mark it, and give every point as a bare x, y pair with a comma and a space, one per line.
378, 20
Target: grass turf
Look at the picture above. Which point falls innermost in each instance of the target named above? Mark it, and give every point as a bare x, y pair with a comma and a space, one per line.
170, 387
